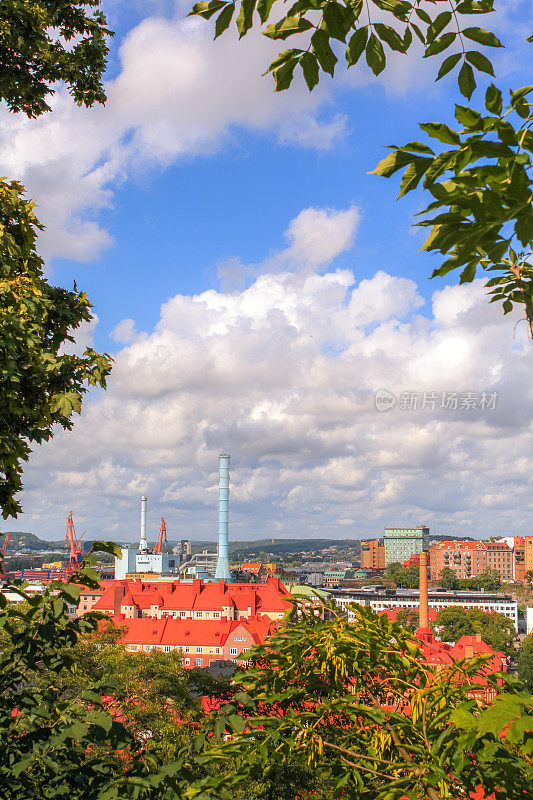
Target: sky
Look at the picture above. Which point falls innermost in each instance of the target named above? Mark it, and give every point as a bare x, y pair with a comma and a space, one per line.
256, 288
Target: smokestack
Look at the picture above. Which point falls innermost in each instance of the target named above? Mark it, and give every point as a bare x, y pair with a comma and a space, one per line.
143, 544
223, 571
424, 604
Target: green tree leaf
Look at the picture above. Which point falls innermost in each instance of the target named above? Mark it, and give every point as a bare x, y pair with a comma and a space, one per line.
448, 64
224, 19
482, 36
466, 80
479, 61
440, 44
493, 100
437, 130
288, 26
356, 46
375, 55
322, 49
309, 65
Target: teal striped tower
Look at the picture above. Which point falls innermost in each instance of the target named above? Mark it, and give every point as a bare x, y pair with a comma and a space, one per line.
223, 572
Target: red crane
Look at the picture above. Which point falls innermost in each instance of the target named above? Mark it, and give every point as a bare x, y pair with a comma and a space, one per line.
162, 535
76, 553
3, 549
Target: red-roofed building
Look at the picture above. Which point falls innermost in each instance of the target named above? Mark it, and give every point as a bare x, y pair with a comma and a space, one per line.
135, 599
201, 643
251, 566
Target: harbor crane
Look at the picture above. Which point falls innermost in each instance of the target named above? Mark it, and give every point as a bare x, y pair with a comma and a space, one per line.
76, 553
162, 536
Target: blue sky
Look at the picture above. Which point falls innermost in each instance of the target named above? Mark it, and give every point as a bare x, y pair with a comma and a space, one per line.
148, 201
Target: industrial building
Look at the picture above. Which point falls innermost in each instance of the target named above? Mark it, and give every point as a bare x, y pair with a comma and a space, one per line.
142, 561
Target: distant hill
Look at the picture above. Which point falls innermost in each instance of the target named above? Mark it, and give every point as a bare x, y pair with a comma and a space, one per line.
23, 540
284, 547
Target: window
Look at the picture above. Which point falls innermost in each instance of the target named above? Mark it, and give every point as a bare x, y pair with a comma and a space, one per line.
233, 651
198, 614
211, 649
218, 650
199, 650
187, 662
148, 648
187, 649
183, 613
133, 647
199, 662
216, 614
167, 648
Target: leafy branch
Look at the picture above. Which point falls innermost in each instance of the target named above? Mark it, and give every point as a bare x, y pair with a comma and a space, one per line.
482, 194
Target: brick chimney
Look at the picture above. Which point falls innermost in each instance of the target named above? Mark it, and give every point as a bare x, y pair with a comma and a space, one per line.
424, 605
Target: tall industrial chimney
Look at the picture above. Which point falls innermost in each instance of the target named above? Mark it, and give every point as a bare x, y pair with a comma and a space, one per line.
424, 604
143, 544
223, 571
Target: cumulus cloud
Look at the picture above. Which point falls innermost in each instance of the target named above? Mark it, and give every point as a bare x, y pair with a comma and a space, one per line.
177, 93
283, 374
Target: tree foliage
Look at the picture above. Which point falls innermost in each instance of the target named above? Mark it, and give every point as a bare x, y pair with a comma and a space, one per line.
372, 719
448, 579
480, 215
74, 723
152, 692
46, 41
525, 663
371, 28
405, 577
41, 386
42, 43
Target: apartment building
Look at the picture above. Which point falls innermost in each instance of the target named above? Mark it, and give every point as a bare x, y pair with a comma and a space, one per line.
528, 553
372, 554
469, 559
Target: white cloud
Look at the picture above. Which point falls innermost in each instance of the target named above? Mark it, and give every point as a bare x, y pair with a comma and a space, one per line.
177, 93
318, 235
283, 375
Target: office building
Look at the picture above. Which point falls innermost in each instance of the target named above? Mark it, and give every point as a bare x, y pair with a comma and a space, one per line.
402, 543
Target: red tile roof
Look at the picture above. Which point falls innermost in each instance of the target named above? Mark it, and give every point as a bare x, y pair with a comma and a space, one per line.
182, 632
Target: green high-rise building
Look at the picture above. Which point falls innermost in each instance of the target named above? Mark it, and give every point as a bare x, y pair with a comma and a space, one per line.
402, 543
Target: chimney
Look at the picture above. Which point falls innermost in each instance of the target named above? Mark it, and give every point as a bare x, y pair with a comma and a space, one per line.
223, 571
423, 602
143, 544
